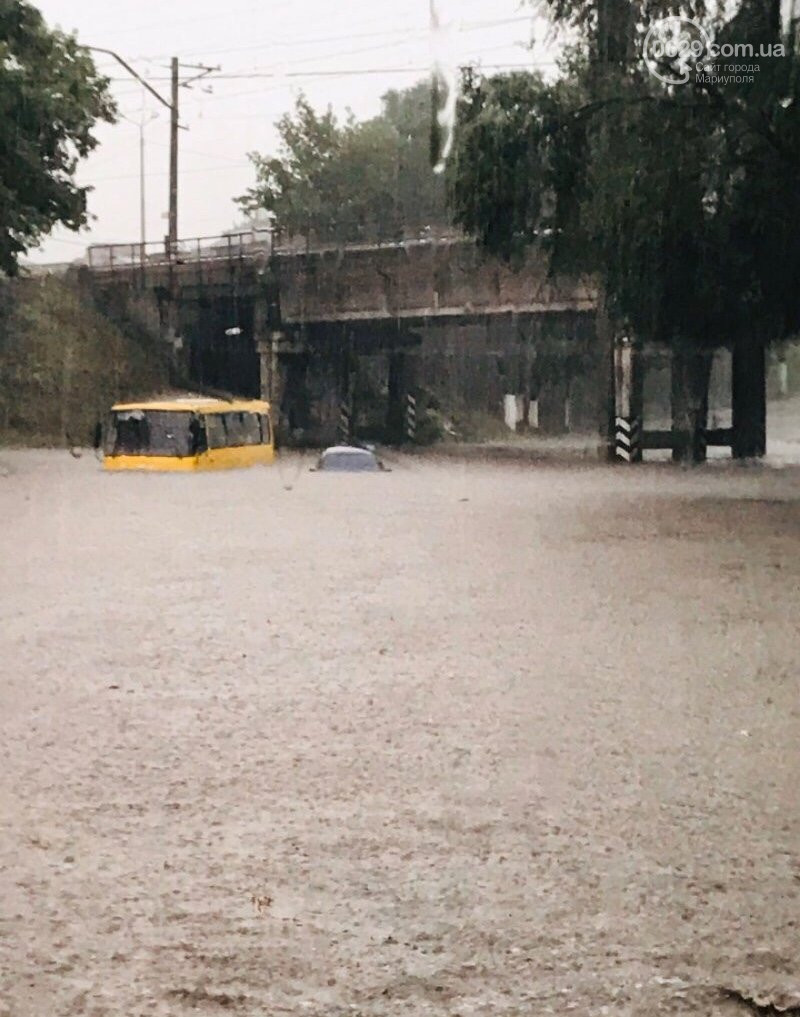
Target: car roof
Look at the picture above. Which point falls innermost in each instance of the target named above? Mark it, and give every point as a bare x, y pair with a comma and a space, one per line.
348, 450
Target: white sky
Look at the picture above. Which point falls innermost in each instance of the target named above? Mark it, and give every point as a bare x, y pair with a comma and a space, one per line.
245, 37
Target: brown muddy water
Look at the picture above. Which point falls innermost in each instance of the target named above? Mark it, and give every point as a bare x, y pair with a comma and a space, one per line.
455, 739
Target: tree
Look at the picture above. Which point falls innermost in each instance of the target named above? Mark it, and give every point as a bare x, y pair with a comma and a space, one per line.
354, 180
51, 96
679, 198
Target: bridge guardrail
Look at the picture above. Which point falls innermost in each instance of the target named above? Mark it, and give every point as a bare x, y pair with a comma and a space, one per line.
224, 247
250, 243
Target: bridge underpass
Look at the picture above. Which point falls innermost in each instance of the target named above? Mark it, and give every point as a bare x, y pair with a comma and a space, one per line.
358, 329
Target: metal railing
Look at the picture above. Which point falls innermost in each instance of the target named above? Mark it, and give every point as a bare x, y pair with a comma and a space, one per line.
231, 247
224, 247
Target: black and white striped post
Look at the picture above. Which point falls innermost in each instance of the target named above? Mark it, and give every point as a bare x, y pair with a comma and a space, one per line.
345, 422
411, 417
702, 445
627, 424
628, 439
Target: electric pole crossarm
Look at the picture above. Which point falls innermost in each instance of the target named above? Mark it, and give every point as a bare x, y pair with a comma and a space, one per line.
130, 70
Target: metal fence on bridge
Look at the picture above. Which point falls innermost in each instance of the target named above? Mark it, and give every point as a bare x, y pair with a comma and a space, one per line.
224, 247
249, 244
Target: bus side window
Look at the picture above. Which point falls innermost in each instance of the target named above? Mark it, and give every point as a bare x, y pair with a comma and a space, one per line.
266, 433
234, 429
251, 429
215, 431
242, 429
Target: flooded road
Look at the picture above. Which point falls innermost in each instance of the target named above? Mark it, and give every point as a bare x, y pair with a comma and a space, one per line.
455, 739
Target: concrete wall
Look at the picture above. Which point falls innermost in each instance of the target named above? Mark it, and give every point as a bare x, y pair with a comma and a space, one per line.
418, 281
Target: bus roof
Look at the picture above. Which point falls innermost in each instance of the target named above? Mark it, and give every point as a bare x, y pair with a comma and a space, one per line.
197, 405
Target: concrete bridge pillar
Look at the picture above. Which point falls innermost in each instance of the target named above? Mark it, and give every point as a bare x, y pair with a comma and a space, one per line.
272, 370
264, 348
282, 369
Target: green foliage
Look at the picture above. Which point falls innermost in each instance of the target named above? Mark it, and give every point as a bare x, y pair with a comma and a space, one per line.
506, 164
683, 200
62, 364
353, 180
51, 96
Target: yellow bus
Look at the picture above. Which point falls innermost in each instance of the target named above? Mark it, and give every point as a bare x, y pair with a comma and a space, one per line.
188, 434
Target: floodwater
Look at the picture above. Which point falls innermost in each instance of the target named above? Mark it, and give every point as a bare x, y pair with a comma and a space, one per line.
455, 739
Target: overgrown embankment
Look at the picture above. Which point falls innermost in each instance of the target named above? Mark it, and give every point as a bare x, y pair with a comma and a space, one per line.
62, 363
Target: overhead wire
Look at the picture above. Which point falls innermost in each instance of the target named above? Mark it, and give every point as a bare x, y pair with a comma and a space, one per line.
228, 15
409, 32
355, 71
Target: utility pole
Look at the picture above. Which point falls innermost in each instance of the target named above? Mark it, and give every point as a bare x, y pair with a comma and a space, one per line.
145, 85
142, 203
142, 215
143, 122
174, 127
172, 237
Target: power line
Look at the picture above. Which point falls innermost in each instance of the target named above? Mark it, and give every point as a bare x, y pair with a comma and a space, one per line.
255, 7
400, 42
195, 151
165, 173
354, 72
410, 33
71, 243
223, 16
407, 38
237, 17
332, 75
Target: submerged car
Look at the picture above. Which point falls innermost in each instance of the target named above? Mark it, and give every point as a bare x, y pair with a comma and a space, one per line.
349, 459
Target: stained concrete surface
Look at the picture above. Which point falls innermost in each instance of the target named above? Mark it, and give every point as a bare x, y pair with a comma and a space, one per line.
455, 739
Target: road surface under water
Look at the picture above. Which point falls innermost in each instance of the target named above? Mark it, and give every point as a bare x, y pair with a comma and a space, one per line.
455, 739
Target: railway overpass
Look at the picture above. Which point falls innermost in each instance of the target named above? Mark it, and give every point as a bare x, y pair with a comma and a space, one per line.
318, 328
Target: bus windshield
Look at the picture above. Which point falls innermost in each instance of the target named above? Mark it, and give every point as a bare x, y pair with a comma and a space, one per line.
151, 432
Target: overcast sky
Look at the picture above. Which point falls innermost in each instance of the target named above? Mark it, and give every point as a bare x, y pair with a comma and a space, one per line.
344, 54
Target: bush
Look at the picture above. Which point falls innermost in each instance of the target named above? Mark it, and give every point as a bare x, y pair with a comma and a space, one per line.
62, 364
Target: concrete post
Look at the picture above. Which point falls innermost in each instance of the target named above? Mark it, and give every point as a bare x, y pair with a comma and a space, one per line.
628, 411
783, 379
510, 410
